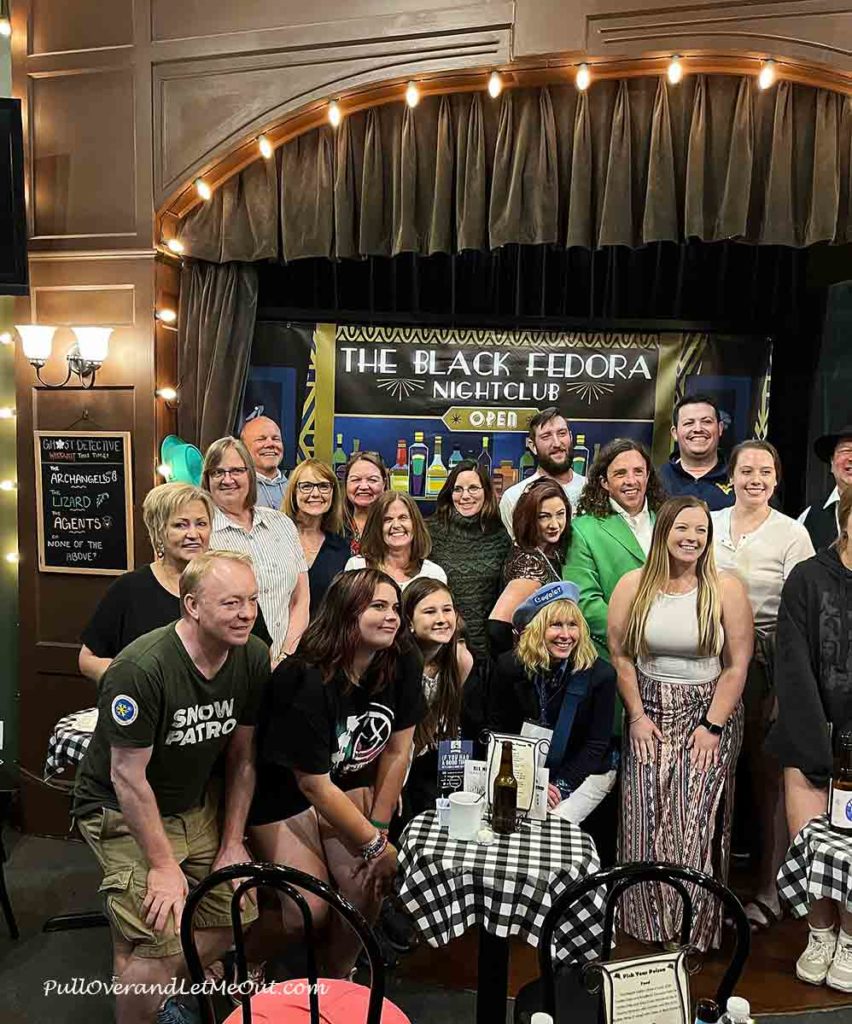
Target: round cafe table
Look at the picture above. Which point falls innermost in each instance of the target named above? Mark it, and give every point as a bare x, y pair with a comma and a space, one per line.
818, 866
67, 744
506, 889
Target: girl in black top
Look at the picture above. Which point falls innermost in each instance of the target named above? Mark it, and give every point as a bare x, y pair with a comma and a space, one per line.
530, 684
333, 748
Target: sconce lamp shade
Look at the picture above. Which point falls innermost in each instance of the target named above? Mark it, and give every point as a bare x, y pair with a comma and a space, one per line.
37, 341
93, 343
184, 460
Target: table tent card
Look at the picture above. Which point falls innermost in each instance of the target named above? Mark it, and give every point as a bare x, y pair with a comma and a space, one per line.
452, 756
646, 990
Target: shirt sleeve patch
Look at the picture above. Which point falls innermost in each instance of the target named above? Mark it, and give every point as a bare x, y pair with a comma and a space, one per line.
124, 709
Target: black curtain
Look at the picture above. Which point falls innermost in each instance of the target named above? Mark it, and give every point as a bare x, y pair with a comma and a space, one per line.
724, 286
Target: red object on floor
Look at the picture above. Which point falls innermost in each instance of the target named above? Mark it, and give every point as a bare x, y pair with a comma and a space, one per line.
340, 1002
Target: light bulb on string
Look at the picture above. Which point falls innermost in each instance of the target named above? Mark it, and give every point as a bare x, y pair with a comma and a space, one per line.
8, 485
167, 394
583, 78
166, 316
174, 245
412, 94
335, 114
12, 557
265, 147
7, 413
203, 189
766, 78
495, 85
675, 70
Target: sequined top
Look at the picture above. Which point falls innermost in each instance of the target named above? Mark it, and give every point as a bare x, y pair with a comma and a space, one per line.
524, 564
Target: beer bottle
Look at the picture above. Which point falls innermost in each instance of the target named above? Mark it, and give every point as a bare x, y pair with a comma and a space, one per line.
840, 791
505, 803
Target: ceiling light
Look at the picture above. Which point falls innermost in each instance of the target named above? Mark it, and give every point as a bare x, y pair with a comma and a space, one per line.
584, 77
412, 94
335, 115
766, 78
265, 146
203, 189
495, 85
675, 70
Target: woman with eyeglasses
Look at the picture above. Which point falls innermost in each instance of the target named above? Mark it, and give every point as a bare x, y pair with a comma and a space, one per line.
365, 477
268, 536
470, 544
312, 500
542, 526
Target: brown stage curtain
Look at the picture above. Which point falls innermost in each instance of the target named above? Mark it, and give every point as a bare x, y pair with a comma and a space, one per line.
218, 303
627, 163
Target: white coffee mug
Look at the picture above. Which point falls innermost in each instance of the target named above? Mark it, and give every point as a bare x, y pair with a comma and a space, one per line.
465, 815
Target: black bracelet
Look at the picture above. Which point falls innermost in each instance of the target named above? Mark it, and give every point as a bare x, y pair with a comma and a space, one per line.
714, 730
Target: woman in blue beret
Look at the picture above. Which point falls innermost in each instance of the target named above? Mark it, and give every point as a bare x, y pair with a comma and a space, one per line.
554, 682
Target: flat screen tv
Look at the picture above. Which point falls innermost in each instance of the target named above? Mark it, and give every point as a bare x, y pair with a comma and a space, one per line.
14, 276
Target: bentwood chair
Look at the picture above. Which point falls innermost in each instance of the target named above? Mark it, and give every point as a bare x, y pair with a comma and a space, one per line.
562, 989
302, 1000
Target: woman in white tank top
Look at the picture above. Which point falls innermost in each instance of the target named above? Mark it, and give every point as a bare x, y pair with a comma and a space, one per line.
680, 636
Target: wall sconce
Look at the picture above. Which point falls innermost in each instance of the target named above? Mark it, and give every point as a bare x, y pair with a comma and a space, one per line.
85, 356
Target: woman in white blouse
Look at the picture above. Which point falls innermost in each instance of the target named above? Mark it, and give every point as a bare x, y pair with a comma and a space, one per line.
396, 541
240, 524
760, 545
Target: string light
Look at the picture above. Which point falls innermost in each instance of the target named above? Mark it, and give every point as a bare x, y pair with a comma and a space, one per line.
165, 470
335, 115
675, 70
12, 557
265, 146
174, 245
584, 77
6, 338
495, 85
7, 485
167, 394
6, 413
203, 189
166, 316
766, 78
412, 94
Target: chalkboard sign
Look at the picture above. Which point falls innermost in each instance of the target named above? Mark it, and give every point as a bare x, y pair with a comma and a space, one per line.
85, 518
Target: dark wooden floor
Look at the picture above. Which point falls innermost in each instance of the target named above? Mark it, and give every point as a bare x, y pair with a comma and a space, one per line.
769, 982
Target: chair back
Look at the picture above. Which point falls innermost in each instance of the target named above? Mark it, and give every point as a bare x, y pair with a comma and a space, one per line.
616, 881
286, 881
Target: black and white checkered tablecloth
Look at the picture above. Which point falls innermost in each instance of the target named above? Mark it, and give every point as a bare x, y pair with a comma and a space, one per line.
818, 865
68, 743
507, 888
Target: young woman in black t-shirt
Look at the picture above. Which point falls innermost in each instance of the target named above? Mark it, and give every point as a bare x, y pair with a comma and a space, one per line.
333, 748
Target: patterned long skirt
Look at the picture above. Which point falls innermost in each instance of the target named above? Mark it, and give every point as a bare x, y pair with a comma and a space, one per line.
671, 811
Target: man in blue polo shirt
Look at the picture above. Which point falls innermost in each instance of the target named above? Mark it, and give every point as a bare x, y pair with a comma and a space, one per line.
696, 468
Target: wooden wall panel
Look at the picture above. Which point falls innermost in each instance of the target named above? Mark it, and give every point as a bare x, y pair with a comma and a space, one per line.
58, 26
82, 155
98, 305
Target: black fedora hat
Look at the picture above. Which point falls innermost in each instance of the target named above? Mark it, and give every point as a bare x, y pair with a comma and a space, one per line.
824, 446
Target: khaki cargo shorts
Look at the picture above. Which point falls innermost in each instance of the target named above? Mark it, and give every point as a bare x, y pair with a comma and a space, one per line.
194, 839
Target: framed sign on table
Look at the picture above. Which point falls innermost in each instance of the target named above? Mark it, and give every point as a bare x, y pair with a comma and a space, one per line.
84, 502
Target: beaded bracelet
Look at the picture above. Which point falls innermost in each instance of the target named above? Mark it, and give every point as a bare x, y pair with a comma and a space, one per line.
375, 848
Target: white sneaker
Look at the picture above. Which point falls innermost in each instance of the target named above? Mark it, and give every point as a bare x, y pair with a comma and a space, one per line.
813, 965
840, 973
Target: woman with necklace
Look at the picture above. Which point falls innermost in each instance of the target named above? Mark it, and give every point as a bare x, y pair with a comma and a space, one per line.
813, 679
761, 546
395, 540
541, 525
313, 502
680, 637
364, 478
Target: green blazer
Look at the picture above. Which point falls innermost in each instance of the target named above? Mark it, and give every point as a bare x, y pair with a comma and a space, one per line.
601, 552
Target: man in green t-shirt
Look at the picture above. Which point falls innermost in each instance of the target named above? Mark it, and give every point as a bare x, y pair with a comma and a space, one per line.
146, 800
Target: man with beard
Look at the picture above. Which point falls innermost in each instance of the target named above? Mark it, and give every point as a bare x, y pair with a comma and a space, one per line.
262, 437
551, 442
696, 468
821, 520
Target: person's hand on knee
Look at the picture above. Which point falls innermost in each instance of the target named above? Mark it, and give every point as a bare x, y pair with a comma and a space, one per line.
167, 890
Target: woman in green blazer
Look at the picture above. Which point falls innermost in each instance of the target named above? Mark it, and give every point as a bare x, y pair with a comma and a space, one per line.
613, 527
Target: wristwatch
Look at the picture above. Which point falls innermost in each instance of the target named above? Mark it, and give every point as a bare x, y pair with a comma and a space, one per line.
714, 730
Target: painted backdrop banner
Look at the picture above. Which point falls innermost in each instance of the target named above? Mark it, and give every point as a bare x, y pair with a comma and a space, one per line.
425, 398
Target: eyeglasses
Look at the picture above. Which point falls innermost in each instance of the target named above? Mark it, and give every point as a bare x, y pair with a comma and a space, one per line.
324, 487
474, 490
219, 474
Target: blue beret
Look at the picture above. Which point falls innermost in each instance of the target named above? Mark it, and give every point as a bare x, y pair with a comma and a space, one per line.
550, 592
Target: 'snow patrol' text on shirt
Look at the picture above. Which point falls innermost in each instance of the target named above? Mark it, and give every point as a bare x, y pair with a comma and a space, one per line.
196, 723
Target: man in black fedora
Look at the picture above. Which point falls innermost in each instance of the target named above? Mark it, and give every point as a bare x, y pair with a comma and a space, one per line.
821, 521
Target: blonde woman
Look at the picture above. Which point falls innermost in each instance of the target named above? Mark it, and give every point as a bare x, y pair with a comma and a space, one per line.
396, 541
178, 518
314, 503
555, 669
680, 636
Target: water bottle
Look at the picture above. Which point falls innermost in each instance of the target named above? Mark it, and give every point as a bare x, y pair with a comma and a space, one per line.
737, 1011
